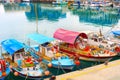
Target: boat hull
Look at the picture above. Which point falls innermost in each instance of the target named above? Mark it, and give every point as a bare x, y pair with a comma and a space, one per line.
67, 67
94, 59
88, 58
26, 76
63, 67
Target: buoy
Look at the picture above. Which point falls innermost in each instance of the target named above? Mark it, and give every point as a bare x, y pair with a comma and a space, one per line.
4, 74
50, 65
47, 73
77, 62
16, 73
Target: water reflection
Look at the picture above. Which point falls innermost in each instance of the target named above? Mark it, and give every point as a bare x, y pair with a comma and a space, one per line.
99, 16
49, 13
15, 7
96, 15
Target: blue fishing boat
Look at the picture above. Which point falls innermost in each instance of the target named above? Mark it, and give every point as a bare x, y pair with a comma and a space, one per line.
21, 62
50, 52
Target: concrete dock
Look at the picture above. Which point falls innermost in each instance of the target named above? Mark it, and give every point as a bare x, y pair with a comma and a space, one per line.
111, 71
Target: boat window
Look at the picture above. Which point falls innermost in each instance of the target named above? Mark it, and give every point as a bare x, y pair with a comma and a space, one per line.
17, 55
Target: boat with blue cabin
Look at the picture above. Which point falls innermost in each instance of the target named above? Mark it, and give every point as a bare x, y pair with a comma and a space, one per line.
21, 62
50, 51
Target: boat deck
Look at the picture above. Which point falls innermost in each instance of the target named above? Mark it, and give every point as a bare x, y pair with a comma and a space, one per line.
111, 71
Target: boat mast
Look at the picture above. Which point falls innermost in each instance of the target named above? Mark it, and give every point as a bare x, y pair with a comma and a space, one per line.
36, 17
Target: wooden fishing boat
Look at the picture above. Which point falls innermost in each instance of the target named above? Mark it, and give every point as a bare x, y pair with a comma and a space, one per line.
50, 52
21, 62
76, 44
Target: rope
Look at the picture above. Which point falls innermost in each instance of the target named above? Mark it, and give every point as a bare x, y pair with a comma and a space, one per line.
61, 67
58, 69
26, 76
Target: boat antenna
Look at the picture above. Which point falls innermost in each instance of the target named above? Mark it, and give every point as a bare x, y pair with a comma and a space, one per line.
100, 33
107, 32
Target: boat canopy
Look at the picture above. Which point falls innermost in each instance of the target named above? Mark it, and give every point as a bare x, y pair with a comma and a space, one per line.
117, 33
39, 38
68, 36
12, 46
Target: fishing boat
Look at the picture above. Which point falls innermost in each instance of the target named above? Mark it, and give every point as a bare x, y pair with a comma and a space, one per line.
50, 53
76, 44
60, 2
110, 42
100, 4
4, 69
21, 62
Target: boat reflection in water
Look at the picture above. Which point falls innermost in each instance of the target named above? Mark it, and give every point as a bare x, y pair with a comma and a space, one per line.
98, 16
43, 12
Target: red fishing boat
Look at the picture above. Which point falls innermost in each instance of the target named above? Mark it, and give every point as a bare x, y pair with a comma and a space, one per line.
76, 44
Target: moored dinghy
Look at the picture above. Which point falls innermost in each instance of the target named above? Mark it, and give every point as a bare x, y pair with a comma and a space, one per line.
21, 62
50, 53
76, 44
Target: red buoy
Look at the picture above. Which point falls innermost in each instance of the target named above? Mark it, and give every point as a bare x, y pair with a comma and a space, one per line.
4, 74
77, 62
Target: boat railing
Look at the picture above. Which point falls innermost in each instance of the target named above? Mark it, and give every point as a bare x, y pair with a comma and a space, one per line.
73, 49
32, 52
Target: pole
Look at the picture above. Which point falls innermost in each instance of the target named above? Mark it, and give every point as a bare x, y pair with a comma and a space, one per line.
36, 17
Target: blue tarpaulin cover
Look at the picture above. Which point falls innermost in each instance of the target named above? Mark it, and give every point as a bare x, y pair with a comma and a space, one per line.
39, 38
11, 45
116, 33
